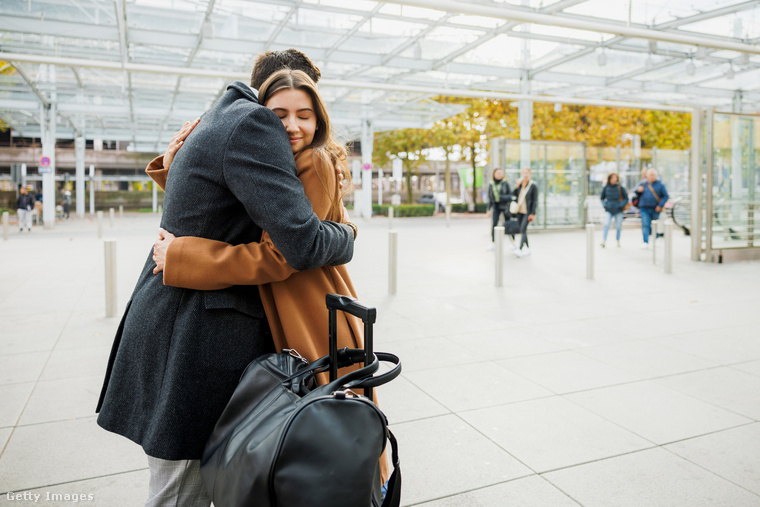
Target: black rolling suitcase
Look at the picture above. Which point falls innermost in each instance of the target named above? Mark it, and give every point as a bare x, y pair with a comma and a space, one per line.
283, 441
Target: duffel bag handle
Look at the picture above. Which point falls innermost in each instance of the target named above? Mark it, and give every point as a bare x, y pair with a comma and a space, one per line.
378, 380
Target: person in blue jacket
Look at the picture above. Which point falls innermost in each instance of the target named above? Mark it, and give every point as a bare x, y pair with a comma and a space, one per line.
614, 198
653, 196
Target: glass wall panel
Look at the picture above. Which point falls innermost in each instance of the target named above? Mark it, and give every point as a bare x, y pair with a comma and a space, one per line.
735, 180
559, 171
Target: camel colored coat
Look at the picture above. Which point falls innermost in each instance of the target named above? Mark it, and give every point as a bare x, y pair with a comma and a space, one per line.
294, 301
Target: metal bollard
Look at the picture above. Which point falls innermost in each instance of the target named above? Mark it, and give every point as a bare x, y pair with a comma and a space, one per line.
110, 215
110, 252
121, 211
590, 251
499, 254
655, 227
390, 217
6, 218
448, 215
160, 208
392, 261
668, 247
100, 224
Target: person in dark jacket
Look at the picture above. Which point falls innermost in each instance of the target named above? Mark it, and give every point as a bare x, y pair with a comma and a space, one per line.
614, 198
652, 199
24, 207
526, 193
178, 353
499, 197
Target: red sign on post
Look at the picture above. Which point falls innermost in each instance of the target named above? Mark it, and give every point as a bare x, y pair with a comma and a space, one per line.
45, 162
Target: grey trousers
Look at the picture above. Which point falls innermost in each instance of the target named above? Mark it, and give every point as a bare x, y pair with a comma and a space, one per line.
176, 484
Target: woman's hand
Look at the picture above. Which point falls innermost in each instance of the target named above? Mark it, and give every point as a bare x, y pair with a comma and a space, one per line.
531, 218
177, 139
159, 249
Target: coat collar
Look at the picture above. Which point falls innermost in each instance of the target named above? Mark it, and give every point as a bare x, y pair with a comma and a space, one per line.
245, 90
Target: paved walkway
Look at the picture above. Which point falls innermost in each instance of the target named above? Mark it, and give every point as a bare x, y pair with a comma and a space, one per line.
638, 388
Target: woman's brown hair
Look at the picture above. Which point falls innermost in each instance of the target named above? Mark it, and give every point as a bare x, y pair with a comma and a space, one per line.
609, 178
330, 152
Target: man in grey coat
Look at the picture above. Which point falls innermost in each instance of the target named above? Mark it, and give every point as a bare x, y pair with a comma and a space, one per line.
178, 353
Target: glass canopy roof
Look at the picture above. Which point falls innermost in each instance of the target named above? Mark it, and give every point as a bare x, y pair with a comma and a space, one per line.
135, 70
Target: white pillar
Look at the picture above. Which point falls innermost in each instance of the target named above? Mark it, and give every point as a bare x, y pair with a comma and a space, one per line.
110, 262
499, 254
380, 176
92, 189
367, 142
392, 261
154, 194
79, 185
49, 197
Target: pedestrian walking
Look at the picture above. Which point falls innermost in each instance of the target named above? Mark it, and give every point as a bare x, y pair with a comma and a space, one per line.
499, 198
615, 201
24, 207
526, 192
652, 198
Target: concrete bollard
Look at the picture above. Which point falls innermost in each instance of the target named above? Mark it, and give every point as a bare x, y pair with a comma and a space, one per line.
121, 211
110, 257
6, 218
668, 247
160, 208
655, 228
392, 261
499, 255
390, 217
448, 215
590, 251
111, 215
99, 215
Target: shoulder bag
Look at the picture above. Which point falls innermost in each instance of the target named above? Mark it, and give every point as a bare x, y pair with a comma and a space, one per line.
622, 198
284, 442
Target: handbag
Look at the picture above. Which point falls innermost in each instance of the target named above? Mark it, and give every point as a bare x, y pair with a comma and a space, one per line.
622, 198
282, 441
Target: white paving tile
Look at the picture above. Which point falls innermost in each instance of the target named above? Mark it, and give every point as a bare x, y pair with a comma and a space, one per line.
467, 389
443, 455
655, 412
733, 454
568, 371
552, 433
651, 478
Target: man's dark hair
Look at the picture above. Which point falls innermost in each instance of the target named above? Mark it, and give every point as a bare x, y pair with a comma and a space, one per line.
270, 62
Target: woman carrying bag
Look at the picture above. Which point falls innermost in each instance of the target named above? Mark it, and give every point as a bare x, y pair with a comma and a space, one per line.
615, 202
526, 195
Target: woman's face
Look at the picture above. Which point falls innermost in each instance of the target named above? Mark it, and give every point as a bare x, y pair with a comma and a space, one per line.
613, 179
295, 109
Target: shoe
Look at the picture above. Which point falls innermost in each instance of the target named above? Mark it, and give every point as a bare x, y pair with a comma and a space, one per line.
513, 246
525, 252
618, 244
490, 247
517, 253
644, 246
602, 244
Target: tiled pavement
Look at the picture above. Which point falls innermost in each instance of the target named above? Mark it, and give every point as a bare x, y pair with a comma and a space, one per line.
638, 388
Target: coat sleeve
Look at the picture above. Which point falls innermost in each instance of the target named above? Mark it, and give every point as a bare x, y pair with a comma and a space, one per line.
663, 196
534, 199
205, 264
259, 170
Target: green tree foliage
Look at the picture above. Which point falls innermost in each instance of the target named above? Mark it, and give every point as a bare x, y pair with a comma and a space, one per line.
6, 69
408, 145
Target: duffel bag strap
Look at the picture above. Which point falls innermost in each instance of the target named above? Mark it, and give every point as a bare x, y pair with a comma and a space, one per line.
393, 494
378, 380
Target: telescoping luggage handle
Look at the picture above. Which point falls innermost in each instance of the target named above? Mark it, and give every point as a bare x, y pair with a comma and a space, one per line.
367, 315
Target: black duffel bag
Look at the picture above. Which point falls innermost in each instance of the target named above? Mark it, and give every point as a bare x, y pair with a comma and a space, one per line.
283, 441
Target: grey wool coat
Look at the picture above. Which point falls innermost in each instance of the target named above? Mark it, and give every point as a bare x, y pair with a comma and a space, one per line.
179, 353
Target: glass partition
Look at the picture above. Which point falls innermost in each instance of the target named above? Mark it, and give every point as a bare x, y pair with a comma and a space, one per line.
735, 180
559, 169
